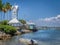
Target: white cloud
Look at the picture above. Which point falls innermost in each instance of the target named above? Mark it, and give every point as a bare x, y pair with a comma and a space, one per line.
51, 18
49, 21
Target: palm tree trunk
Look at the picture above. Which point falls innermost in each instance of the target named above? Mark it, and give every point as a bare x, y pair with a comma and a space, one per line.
7, 16
4, 16
1, 16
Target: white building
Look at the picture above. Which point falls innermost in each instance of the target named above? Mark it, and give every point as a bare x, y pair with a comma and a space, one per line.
31, 26
14, 21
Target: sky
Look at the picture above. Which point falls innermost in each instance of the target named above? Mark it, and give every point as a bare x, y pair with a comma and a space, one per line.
41, 12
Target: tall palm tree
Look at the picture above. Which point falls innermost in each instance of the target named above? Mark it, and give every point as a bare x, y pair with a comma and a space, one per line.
1, 5
4, 10
8, 7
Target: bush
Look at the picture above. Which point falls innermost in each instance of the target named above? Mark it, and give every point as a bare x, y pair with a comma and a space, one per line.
8, 29
5, 22
1, 27
4, 27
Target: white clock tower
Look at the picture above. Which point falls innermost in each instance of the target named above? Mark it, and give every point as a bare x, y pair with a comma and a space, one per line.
14, 21
14, 11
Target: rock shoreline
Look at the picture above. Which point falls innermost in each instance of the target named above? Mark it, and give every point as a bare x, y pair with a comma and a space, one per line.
4, 36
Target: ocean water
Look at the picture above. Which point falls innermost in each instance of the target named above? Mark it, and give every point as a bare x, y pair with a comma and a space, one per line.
44, 37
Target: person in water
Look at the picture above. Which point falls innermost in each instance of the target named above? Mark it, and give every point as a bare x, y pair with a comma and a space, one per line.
32, 42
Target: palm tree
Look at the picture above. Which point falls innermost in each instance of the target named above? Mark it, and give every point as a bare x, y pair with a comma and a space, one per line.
22, 21
8, 7
4, 10
1, 5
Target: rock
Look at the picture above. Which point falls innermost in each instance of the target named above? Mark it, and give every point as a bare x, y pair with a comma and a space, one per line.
4, 36
25, 31
28, 41
17, 33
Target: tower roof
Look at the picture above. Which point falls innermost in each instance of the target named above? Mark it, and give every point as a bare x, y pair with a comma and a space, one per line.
14, 20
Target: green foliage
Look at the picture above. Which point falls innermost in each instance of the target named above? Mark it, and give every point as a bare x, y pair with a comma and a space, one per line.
5, 22
1, 27
5, 7
22, 21
8, 29
1, 5
8, 6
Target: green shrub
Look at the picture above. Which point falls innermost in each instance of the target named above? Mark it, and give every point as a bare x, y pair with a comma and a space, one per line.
1, 27
10, 30
5, 22
4, 27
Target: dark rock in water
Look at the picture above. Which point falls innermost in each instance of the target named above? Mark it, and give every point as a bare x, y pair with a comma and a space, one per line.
32, 42
34, 30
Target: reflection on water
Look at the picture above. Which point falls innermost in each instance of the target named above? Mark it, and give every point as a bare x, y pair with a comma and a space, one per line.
45, 37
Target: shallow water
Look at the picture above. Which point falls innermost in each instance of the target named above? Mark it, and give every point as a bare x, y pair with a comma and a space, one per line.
45, 37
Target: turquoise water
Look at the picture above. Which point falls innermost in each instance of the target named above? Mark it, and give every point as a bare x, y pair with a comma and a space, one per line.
44, 37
